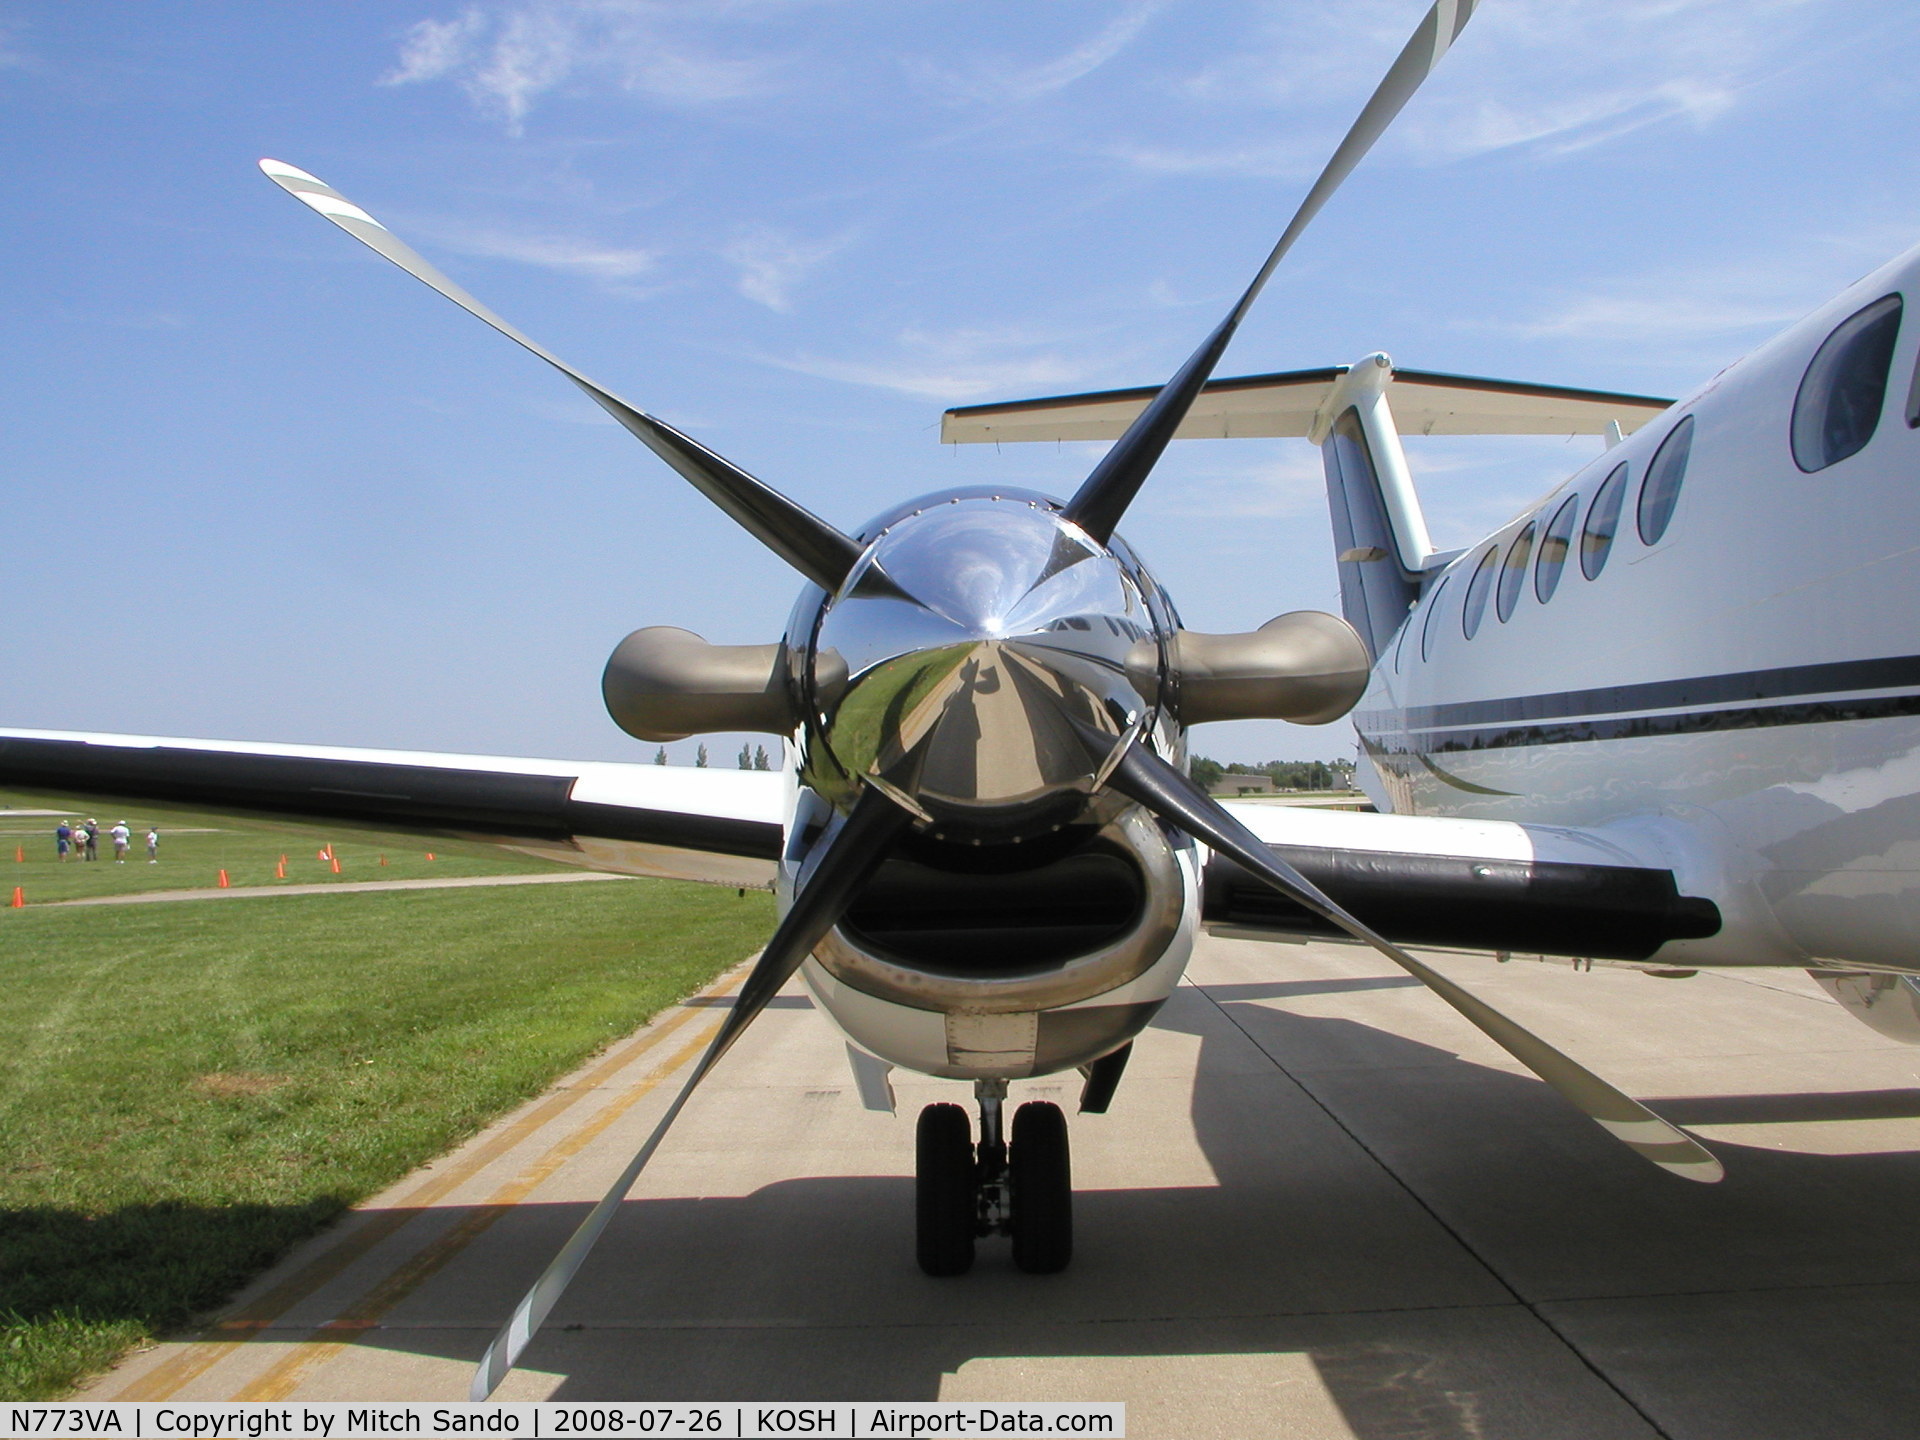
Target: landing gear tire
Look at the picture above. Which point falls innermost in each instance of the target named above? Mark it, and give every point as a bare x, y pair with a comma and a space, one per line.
1040, 1175
944, 1206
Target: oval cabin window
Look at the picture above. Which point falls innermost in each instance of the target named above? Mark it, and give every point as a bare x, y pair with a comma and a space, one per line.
1660, 491
1603, 518
1841, 395
1478, 589
1513, 574
1553, 549
1426, 627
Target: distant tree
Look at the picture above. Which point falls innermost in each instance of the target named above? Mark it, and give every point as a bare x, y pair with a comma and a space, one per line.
746, 756
660, 756
1285, 774
700, 758
760, 761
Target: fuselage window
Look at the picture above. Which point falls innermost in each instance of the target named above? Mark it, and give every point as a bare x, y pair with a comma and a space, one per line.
1660, 490
1513, 574
1426, 626
1913, 399
1603, 518
1478, 589
1838, 406
1554, 545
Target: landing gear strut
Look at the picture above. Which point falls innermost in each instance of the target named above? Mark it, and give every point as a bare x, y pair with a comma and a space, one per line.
962, 1191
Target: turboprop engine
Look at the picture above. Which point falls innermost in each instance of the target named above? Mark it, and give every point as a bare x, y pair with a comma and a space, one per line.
985, 664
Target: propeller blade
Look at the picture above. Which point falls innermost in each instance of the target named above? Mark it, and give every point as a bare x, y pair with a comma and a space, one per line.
1105, 494
1146, 779
850, 858
802, 539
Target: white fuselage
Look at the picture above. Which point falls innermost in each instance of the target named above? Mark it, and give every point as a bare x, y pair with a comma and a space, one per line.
1745, 689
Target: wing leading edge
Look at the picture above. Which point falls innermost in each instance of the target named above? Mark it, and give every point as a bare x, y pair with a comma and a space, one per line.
720, 826
1287, 403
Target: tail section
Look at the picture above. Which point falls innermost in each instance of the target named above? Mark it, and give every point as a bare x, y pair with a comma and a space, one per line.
1379, 532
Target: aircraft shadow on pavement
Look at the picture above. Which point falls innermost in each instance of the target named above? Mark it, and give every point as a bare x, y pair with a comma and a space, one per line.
1432, 1233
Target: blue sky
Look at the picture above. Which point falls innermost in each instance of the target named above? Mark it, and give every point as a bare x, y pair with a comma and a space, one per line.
261, 485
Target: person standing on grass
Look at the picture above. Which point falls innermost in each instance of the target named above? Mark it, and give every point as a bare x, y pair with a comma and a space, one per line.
153, 845
62, 839
90, 834
122, 837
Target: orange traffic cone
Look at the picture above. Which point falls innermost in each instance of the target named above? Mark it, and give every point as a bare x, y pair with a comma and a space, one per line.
19, 898
429, 854
335, 861
383, 859
19, 854
323, 855
280, 870
223, 880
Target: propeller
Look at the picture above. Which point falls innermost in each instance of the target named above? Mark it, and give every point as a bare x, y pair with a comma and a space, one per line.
802, 539
848, 858
1147, 780
1105, 494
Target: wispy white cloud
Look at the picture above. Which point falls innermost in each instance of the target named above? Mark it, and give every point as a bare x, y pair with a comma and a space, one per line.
1582, 121
606, 263
1579, 75
772, 262
997, 82
1735, 298
1286, 483
507, 56
434, 47
1662, 314
1263, 160
956, 366
1587, 75
13, 53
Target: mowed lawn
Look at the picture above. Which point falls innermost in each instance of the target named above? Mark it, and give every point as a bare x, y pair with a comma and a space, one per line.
191, 857
187, 1089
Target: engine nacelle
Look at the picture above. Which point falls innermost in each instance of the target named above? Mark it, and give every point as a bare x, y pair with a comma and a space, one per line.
1306, 666
664, 683
1888, 1003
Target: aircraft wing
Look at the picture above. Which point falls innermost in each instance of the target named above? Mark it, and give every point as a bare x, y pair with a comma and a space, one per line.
720, 826
1464, 884
1424, 403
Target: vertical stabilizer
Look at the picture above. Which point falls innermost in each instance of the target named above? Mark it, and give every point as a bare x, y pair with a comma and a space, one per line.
1379, 532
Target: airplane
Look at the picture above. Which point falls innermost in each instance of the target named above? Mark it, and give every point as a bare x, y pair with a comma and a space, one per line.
989, 859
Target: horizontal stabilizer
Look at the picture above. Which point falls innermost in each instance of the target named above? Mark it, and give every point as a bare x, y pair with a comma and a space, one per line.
1424, 403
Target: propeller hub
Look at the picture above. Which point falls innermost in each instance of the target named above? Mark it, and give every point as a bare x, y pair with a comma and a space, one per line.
983, 661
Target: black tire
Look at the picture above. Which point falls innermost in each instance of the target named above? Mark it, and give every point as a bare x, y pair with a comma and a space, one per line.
1040, 1172
943, 1191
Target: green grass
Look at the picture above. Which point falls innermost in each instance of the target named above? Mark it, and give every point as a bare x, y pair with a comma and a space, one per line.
193, 854
186, 1090
873, 709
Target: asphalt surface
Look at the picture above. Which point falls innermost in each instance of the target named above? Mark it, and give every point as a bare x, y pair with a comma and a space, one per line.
1320, 1206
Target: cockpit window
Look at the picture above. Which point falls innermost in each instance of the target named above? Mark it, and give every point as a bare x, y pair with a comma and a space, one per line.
1554, 545
1603, 518
1426, 626
1513, 574
1660, 490
1838, 406
1478, 589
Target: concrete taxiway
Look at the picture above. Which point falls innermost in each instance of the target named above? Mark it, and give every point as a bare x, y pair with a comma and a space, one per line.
1321, 1206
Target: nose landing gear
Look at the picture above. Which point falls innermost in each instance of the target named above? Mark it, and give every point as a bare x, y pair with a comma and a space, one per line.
962, 1191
